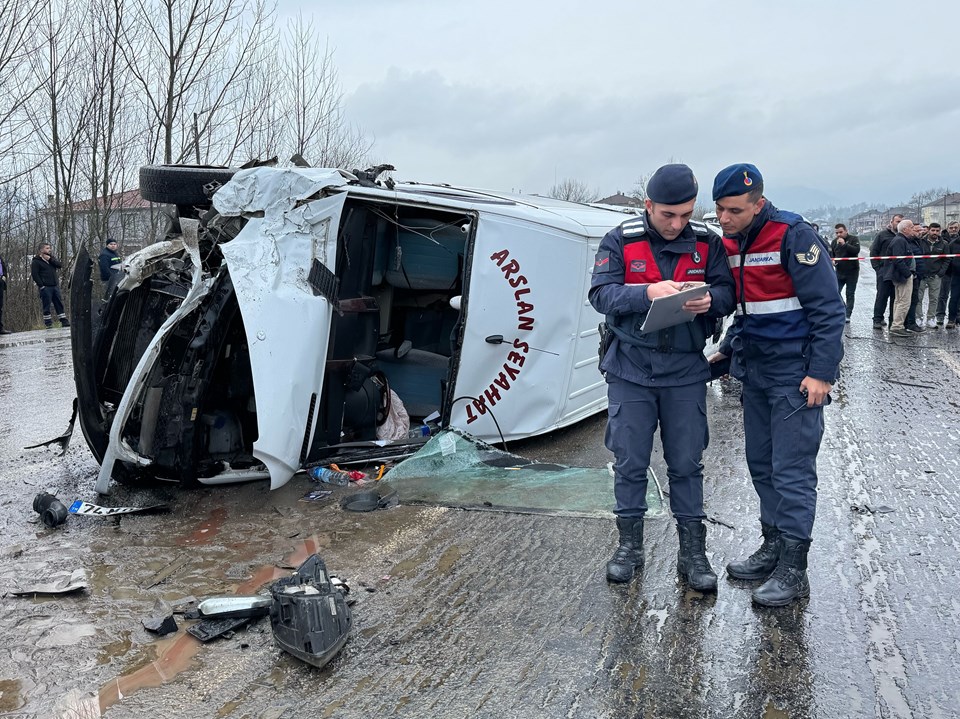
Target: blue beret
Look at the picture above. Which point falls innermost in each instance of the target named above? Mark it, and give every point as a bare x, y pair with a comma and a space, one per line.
736, 180
672, 185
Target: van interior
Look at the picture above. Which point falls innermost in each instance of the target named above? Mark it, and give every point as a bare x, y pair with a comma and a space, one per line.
401, 272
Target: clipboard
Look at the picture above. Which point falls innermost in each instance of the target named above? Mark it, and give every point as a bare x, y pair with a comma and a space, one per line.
668, 311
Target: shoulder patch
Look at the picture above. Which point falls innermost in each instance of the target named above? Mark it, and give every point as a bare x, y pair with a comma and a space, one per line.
633, 227
810, 257
699, 228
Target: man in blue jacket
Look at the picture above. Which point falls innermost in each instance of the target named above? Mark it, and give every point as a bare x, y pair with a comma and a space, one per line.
660, 377
785, 347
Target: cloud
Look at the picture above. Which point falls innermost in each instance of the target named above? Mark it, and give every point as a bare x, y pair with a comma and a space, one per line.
847, 140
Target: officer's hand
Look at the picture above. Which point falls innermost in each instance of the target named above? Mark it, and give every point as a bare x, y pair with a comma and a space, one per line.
699, 305
816, 391
716, 357
662, 289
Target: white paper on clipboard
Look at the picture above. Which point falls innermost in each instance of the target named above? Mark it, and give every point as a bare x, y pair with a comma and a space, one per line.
668, 311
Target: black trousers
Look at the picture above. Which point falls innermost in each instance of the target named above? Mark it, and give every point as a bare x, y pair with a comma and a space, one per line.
884, 302
848, 281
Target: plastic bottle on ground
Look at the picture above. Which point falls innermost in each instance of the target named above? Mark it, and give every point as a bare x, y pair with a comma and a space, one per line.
330, 476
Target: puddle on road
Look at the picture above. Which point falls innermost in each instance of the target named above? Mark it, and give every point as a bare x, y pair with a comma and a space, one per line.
207, 530
11, 695
176, 654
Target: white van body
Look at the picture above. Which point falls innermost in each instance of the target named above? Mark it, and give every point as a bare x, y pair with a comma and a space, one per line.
472, 305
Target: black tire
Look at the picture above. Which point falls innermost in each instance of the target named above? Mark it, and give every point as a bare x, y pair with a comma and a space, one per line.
180, 184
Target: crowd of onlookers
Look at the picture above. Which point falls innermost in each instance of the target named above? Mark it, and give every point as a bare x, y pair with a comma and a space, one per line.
918, 274
44, 269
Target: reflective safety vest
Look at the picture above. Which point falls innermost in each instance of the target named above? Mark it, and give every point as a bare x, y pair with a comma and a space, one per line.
763, 285
640, 266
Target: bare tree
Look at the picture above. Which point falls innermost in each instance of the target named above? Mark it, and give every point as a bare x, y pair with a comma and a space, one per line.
573, 190
315, 124
17, 46
919, 199
639, 191
189, 57
58, 117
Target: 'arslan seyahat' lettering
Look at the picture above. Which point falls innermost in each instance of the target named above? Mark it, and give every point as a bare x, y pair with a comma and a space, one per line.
511, 272
503, 381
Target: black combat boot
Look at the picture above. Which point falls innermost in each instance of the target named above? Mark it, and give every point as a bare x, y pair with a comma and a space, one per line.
629, 555
789, 580
761, 563
692, 562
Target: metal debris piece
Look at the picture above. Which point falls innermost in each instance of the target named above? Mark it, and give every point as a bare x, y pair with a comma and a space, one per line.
59, 583
239, 606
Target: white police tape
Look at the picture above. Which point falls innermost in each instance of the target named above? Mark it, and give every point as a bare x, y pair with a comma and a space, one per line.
889, 257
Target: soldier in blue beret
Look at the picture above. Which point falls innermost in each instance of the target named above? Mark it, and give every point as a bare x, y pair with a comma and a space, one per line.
786, 344
659, 377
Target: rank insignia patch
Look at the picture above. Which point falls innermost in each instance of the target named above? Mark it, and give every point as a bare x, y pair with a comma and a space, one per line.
809, 257
638, 265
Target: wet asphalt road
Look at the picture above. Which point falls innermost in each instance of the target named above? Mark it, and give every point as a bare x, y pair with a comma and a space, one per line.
484, 614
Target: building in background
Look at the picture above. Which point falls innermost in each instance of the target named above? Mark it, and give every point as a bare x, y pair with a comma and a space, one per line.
945, 209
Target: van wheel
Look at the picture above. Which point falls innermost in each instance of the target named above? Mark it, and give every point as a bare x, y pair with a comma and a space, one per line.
181, 184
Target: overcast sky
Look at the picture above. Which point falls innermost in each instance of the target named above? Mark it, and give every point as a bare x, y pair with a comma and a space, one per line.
841, 101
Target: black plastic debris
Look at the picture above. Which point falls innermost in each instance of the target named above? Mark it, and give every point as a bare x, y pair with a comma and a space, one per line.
369, 500
309, 615
871, 508
51, 510
208, 629
184, 605
161, 621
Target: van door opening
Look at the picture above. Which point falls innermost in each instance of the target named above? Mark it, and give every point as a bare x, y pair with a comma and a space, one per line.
402, 274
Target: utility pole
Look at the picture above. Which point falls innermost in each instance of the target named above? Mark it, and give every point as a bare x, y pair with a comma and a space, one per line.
196, 135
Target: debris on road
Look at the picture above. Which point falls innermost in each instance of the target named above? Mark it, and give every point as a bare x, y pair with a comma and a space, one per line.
209, 629
57, 583
316, 495
161, 621
871, 508
222, 607
51, 510
92, 510
309, 615
369, 500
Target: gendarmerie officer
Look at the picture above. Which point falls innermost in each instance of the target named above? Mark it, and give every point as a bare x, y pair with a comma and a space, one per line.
786, 344
659, 377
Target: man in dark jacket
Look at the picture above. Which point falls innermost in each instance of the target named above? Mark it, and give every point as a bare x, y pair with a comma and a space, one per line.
43, 270
109, 260
901, 273
917, 246
953, 273
846, 247
658, 378
884, 288
936, 268
953, 233
3, 292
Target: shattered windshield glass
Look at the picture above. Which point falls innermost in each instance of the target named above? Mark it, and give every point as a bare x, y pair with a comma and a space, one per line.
455, 470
